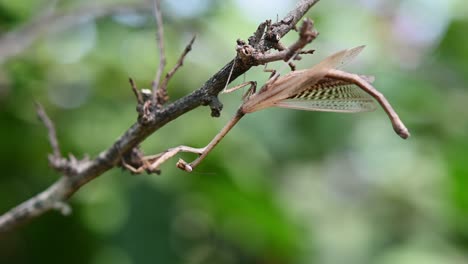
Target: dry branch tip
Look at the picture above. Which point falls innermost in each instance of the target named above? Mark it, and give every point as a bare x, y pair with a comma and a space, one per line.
135, 91
162, 95
41, 113
62, 207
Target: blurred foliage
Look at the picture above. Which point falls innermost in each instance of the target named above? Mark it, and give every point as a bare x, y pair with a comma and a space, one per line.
284, 186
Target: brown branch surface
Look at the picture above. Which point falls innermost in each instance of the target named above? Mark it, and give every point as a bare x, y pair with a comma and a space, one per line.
87, 170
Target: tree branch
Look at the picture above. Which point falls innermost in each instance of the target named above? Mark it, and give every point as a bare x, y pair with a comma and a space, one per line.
86, 170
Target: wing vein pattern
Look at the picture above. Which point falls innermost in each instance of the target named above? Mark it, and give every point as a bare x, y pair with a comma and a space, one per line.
331, 95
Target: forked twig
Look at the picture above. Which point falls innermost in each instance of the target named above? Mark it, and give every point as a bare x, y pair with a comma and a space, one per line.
159, 86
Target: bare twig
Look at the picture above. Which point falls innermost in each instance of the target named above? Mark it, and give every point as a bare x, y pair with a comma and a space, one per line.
87, 170
159, 95
51, 130
135, 91
163, 87
56, 160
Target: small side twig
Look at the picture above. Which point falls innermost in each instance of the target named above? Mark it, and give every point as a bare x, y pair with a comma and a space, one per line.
159, 96
51, 130
66, 166
163, 87
135, 90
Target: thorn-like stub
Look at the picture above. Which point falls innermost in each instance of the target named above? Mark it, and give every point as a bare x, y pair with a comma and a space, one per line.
216, 106
181, 164
62, 207
240, 42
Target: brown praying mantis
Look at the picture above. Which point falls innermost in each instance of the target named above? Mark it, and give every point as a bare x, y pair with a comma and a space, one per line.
320, 88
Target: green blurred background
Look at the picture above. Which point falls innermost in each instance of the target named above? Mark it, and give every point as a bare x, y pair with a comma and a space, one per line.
284, 186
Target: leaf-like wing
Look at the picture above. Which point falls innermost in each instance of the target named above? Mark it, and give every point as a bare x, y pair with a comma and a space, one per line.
350, 55
296, 82
331, 95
